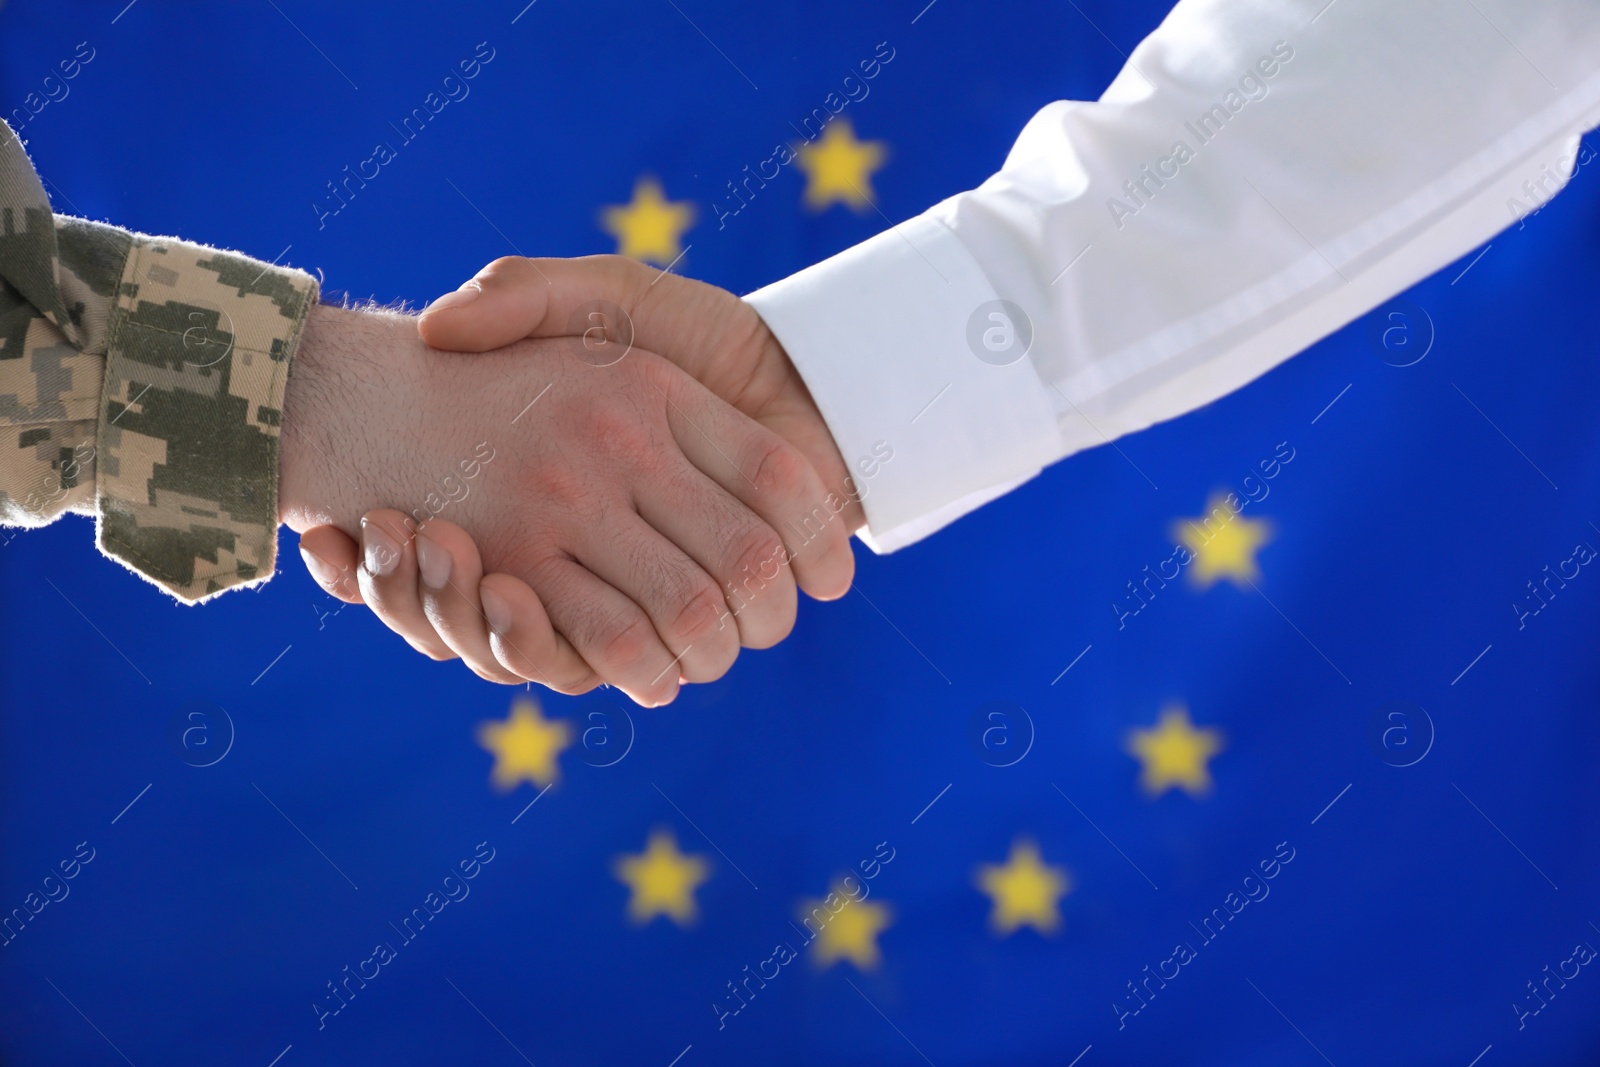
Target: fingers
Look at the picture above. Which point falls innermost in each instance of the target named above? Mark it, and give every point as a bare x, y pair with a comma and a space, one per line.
430, 589
743, 555
426, 587
513, 298
609, 631
388, 581
523, 639
770, 477
681, 600
332, 557
449, 571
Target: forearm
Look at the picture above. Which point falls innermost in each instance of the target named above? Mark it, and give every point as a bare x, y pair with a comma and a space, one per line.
1259, 174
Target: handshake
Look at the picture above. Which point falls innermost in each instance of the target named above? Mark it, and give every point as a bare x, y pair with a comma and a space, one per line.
605, 474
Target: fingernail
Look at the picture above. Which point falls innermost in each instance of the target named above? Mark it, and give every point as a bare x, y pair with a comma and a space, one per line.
325, 574
460, 298
496, 610
378, 550
433, 561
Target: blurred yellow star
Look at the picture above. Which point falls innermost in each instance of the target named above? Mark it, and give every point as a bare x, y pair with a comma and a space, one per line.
1024, 890
839, 168
649, 227
1174, 753
850, 933
1224, 544
662, 880
525, 746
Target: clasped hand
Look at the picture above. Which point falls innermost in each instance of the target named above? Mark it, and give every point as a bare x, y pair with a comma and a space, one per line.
631, 520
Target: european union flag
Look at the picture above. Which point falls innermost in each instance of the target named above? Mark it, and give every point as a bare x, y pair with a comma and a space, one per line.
1264, 736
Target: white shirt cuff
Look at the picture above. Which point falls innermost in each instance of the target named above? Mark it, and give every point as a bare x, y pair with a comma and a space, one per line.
887, 337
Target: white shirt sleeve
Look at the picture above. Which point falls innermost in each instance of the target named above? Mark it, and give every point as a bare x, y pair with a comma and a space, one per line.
1260, 173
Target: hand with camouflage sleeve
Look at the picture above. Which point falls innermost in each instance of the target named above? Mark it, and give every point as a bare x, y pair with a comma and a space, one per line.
154, 383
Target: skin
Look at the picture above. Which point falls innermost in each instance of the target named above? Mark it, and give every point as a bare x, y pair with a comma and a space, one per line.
606, 517
709, 333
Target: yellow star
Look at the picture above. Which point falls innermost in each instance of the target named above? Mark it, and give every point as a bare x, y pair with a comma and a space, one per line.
1025, 890
662, 880
839, 168
1175, 753
846, 928
650, 226
1224, 544
525, 746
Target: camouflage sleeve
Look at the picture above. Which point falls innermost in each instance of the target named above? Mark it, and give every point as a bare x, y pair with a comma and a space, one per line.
142, 381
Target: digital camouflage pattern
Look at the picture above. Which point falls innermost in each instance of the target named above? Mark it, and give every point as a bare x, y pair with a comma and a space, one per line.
142, 381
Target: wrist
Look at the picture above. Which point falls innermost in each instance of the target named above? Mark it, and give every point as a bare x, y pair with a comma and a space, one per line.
326, 434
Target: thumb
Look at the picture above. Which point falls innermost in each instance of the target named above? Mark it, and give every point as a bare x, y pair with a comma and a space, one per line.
513, 298
505, 302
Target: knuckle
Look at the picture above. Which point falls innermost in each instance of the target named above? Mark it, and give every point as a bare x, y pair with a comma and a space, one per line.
700, 614
557, 483
626, 640
655, 383
759, 557
778, 467
616, 427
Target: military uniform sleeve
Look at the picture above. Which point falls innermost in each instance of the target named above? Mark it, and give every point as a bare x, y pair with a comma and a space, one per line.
142, 382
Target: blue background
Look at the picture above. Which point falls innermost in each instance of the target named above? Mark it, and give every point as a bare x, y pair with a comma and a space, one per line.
1405, 527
